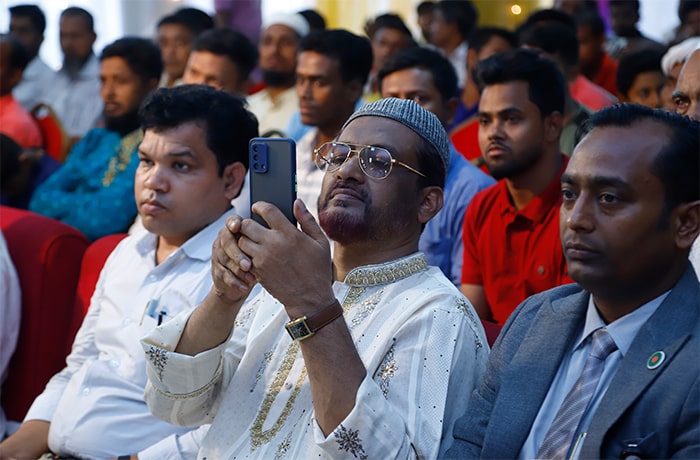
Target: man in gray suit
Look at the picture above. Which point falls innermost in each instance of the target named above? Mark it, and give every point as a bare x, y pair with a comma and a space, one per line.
630, 212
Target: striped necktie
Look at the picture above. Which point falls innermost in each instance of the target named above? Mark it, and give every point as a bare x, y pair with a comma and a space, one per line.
557, 442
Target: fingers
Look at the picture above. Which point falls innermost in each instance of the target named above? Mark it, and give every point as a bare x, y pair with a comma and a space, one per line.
308, 223
271, 214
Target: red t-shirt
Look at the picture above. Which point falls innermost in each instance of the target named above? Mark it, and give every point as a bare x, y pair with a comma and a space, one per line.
465, 138
513, 253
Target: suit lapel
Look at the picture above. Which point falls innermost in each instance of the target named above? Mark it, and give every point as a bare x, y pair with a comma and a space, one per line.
533, 367
668, 329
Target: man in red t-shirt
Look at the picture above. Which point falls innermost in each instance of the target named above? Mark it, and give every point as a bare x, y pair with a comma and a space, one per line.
511, 230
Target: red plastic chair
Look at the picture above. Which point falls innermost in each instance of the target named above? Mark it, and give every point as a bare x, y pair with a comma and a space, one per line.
47, 256
93, 260
56, 140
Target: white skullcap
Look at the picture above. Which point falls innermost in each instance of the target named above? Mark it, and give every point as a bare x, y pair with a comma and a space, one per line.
679, 53
294, 21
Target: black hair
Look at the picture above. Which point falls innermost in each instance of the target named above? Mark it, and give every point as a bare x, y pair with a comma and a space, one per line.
10, 152
227, 42
19, 55
460, 12
195, 20
632, 3
636, 62
426, 7
76, 11
593, 21
546, 85
228, 125
314, 18
553, 38
677, 165
142, 56
388, 21
685, 7
442, 71
354, 53
33, 12
546, 16
482, 35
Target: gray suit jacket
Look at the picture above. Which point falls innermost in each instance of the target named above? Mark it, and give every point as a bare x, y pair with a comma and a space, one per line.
656, 410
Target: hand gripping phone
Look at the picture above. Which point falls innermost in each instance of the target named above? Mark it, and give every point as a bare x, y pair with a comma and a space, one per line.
273, 174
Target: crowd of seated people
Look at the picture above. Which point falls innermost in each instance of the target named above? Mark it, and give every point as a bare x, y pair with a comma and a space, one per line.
461, 186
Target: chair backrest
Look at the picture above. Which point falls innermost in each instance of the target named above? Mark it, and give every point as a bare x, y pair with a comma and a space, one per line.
93, 260
47, 256
56, 139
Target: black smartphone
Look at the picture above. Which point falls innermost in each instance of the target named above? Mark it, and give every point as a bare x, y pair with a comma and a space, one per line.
273, 174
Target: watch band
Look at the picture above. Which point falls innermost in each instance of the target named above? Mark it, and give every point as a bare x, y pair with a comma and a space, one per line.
304, 327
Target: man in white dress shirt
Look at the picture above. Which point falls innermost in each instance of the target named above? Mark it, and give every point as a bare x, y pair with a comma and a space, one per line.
380, 349
74, 91
27, 23
275, 104
191, 166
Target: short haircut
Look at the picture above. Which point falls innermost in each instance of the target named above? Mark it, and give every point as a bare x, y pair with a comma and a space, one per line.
19, 55
388, 21
196, 21
141, 55
677, 164
227, 42
354, 53
553, 38
442, 71
228, 125
593, 21
33, 12
634, 63
548, 15
483, 35
426, 7
546, 84
314, 18
77, 12
633, 3
460, 12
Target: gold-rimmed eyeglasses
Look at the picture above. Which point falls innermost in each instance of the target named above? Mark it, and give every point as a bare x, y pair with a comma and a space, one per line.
375, 162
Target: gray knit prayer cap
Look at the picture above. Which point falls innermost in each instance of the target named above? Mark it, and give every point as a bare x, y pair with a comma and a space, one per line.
411, 115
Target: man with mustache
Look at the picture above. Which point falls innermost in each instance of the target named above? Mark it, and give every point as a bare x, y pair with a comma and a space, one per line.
190, 165
92, 191
379, 348
332, 69
607, 367
511, 242
74, 91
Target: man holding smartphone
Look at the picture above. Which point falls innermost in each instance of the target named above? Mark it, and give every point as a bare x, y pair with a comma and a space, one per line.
367, 355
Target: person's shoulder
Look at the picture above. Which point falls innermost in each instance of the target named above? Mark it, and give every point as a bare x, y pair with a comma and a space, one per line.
465, 172
485, 199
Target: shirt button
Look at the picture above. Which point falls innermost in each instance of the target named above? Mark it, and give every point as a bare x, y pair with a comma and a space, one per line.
540, 270
86, 391
114, 363
126, 322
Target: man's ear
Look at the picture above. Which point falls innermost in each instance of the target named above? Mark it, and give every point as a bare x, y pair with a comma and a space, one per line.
553, 124
431, 203
234, 175
686, 220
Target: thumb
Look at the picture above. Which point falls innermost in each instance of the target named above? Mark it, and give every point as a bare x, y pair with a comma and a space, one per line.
307, 222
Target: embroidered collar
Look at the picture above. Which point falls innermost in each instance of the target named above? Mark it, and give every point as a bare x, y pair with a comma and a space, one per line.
388, 272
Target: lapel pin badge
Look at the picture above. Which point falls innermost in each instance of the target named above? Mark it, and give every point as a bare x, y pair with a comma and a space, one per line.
655, 360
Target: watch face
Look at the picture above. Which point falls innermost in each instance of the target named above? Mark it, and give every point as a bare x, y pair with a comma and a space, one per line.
298, 329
